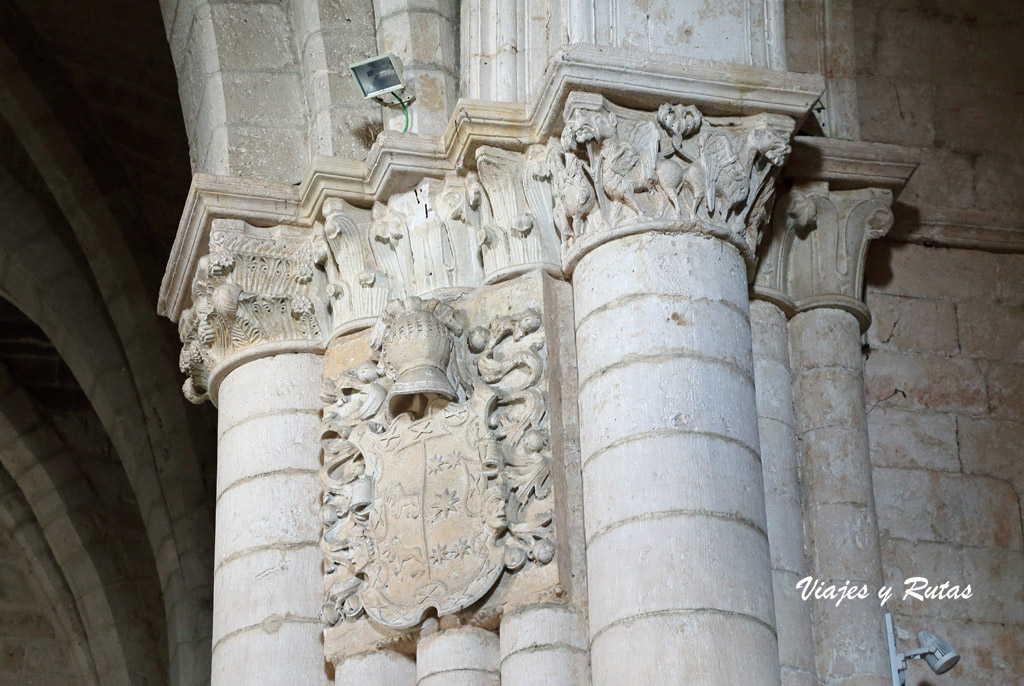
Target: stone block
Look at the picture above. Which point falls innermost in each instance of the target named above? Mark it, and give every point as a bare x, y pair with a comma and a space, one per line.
698, 267
828, 398
992, 332
995, 576
835, 467
701, 562
976, 119
12, 655
918, 505
937, 562
896, 110
824, 338
992, 448
912, 324
277, 510
913, 440
281, 442
666, 474
1005, 383
265, 153
671, 326
925, 382
1000, 181
293, 655
261, 98
252, 36
287, 383
923, 272
276, 583
681, 395
839, 536
944, 178
1010, 286
686, 644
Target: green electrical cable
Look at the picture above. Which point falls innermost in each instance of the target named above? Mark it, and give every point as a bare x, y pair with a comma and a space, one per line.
405, 110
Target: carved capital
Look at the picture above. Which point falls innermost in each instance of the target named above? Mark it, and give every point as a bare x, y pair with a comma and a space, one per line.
818, 246
255, 287
619, 172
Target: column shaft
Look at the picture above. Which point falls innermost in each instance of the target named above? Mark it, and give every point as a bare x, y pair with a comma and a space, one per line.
379, 667
466, 656
544, 644
267, 574
780, 459
840, 511
677, 554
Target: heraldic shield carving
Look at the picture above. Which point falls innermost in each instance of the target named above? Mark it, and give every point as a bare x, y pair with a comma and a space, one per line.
436, 465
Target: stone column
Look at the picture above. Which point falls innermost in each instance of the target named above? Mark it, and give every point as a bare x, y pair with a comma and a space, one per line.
463, 656
378, 667
252, 342
780, 454
780, 459
543, 644
679, 571
823, 265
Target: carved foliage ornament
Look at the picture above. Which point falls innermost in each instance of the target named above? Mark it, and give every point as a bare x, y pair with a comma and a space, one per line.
616, 168
612, 171
436, 465
255, 286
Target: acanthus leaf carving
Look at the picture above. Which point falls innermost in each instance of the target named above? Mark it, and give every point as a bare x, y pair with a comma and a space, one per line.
255, 286
818, 246
436, 465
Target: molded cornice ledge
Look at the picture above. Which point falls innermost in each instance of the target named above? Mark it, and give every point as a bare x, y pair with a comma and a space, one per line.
399, 162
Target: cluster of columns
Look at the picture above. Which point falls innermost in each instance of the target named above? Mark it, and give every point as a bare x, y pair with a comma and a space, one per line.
713, 432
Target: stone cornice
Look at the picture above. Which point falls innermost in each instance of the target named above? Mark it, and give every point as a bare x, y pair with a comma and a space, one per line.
397, 162
848, 165
956, 227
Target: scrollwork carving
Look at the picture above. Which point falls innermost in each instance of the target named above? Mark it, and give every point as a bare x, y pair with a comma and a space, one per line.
436, 465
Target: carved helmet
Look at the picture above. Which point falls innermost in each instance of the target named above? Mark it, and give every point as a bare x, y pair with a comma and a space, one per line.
416, 347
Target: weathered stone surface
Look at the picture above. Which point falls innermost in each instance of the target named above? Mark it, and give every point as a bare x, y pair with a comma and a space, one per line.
929, 382
987, 447
919, 505
992, 332
915, 440
912, 324
1005, 383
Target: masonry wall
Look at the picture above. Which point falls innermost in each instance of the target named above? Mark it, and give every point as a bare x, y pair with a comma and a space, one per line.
945, 394
32, 646
945, 76
945, 370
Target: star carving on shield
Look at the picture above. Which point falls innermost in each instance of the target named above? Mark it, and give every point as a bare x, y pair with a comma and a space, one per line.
444, 504
436, 455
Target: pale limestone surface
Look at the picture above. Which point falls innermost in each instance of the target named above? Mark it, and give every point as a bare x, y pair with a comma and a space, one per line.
780, 461
670, 464
267, 569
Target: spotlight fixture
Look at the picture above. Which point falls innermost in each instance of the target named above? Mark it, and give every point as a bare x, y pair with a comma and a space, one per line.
936, 651
378, 75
